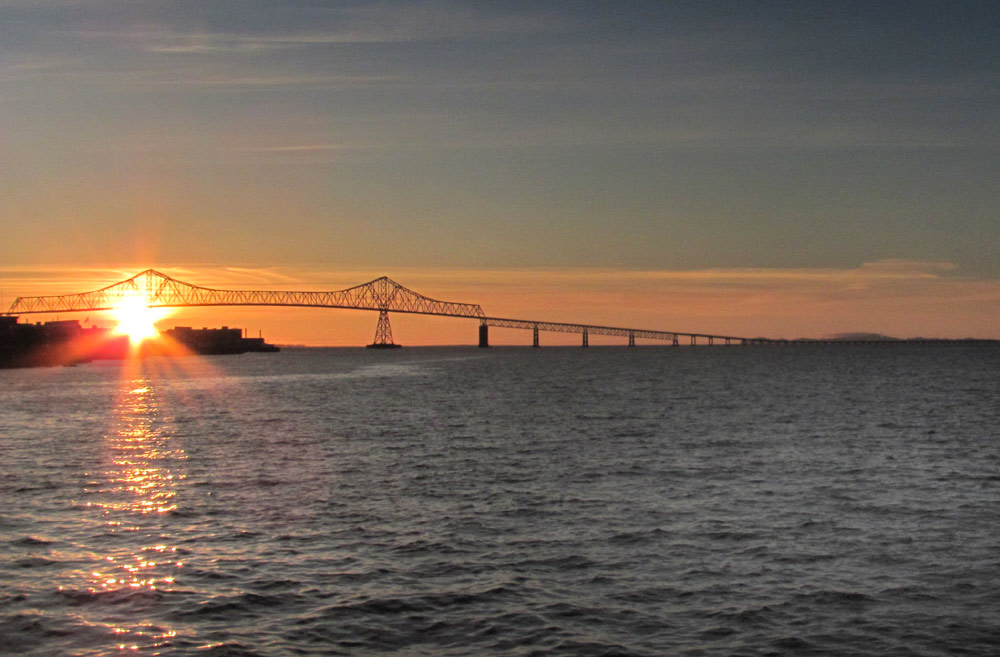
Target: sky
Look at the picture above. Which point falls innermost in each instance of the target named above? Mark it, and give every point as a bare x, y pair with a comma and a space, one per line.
787, 169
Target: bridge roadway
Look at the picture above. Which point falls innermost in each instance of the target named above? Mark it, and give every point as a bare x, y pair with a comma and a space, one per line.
157, 290
586, 330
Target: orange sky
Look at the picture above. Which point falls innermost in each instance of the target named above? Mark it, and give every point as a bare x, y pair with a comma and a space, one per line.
688, 166
897, 298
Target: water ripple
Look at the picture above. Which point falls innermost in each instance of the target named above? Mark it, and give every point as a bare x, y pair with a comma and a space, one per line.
519, 502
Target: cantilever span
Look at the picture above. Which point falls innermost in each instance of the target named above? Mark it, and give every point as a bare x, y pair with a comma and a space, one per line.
157, 290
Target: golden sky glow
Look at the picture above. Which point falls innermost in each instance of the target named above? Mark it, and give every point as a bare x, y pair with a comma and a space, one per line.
897, 298
740, 168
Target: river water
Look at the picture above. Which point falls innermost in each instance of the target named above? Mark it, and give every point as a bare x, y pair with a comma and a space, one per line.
772, 500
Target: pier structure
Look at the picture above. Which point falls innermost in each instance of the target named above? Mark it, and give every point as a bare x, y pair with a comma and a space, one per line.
587, 330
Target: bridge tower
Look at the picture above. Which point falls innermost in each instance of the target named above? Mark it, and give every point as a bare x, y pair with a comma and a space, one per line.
383, 333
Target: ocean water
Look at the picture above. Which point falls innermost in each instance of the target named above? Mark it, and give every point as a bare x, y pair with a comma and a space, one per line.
772, 500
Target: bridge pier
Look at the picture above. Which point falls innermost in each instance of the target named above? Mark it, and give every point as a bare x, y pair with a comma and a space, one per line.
484, 336
631, 339
534, 337
383, 333
586, 340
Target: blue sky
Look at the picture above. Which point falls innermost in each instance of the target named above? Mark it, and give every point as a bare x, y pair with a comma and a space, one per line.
627, 136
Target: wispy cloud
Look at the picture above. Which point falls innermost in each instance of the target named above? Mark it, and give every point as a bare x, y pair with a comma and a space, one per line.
289, 28
294, 148
213, 44
236, 79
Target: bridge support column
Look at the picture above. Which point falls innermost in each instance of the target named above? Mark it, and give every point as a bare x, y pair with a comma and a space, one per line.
484, 336
675, 340
631, 339
586, 340
694, 340
534, 337
383, 333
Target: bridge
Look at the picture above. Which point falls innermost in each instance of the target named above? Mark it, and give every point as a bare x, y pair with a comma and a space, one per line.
383, 295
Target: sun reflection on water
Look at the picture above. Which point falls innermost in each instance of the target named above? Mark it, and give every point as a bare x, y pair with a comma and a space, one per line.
134, 496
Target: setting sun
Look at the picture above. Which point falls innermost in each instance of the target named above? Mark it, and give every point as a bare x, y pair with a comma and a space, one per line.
137, 320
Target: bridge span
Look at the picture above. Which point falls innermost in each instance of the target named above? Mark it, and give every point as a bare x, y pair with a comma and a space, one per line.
383, 295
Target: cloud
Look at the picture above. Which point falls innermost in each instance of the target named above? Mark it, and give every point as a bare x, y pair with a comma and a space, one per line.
290, 27
898, 268
296, 148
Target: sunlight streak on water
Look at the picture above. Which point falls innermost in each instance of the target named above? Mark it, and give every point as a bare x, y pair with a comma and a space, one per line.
453, 502
143, 470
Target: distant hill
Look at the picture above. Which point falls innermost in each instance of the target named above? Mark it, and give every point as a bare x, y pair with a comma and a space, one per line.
860, 337
878, 337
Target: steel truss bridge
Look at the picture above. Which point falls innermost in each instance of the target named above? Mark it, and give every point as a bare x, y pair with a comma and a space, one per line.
157, 290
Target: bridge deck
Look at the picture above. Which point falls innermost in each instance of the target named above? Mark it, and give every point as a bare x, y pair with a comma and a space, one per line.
631, 333
382, 294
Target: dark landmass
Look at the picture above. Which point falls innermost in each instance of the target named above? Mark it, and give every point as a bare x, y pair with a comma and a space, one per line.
224, 340
878, 338
68, 343
860, 337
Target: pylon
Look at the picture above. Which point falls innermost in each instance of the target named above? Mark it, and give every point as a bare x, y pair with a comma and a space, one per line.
383, 333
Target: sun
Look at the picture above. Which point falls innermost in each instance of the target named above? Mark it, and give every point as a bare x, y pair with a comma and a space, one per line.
137, 320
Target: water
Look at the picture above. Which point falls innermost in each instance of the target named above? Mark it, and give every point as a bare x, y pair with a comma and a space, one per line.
557, 501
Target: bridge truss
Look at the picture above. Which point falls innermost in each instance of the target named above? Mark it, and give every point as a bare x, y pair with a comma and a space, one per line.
157, 290
586, 330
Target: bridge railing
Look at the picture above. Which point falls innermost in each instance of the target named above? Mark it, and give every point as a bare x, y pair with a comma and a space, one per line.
631, 333
155, 289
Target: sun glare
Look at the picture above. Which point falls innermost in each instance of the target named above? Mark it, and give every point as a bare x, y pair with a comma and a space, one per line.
136, 320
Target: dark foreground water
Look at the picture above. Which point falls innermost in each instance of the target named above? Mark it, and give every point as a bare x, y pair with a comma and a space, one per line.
557, 501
